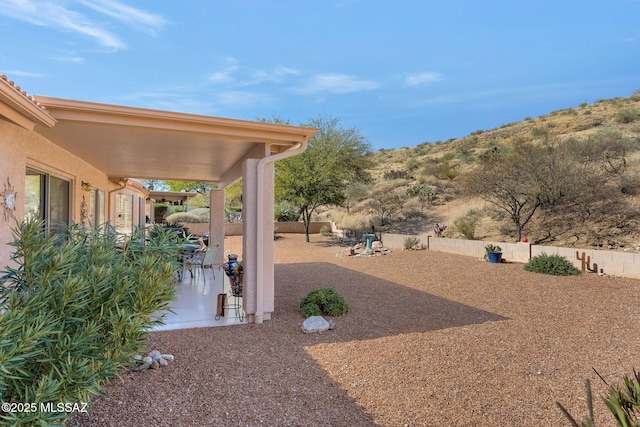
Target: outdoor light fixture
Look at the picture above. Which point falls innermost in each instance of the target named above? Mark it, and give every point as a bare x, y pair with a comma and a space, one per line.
86, 186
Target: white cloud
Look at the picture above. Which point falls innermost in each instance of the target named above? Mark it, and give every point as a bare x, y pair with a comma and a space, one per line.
275, 75
219, 77
24, 73
64, 18
422, 78
234, 74
127, 14
73, 59
336, 83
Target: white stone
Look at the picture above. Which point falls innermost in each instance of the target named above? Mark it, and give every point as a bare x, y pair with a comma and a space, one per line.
315, 324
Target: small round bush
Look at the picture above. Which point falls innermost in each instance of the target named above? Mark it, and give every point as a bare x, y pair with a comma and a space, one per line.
183, 217
326, 231
202, 213
555, 265
323, 301
411, 243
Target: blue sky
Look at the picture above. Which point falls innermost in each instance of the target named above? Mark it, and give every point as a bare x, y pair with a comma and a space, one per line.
403, 72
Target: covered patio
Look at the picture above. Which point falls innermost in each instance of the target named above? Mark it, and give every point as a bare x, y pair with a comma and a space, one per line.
126, 142
196, 303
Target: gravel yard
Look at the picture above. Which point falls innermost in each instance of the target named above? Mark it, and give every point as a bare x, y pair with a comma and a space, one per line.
431, 339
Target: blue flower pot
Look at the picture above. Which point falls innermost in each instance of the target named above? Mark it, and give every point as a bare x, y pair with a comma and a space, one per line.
494, 257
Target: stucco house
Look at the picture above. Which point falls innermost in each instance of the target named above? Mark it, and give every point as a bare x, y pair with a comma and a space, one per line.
72, 161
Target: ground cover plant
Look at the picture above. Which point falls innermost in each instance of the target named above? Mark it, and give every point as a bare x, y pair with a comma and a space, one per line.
74, 309
556, 265
323, 301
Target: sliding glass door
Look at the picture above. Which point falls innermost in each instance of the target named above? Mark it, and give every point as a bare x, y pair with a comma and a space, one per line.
47, 197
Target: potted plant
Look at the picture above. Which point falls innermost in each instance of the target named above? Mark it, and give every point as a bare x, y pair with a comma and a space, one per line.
494, 253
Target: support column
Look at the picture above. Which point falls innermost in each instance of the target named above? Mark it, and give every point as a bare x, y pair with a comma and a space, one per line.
249, 238
216, 223
258, 250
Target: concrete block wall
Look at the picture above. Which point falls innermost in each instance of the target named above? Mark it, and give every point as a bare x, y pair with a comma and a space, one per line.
610, 262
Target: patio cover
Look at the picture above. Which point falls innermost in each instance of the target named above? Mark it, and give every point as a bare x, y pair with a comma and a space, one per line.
128, 142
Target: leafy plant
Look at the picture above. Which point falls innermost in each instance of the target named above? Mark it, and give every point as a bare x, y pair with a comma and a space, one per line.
491, 248
323, 301
412, 243
555, 264
74, 309
466, 225
623, 403
627, 115
325, 231
182, 217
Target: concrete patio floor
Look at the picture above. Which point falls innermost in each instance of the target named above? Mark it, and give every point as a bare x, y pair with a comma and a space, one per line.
197, 299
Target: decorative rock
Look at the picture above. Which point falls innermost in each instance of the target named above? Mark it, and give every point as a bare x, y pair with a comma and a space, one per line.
142, 367
377, 245
154, 354
154, 365
168, 357
315, 324
332, 324
163, 362
147, 359
137, 357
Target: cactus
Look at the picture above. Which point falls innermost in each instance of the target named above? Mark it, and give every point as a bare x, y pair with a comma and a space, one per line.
586, 262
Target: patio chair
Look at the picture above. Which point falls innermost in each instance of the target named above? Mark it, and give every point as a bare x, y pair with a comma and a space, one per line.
204, 259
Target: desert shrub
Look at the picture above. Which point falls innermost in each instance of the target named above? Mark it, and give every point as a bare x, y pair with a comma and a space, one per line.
202, 213
325, 231
627, 115
466, 225
395, 174
74, 310
323, 301
182, 217
412, 243
556, 265
285, 212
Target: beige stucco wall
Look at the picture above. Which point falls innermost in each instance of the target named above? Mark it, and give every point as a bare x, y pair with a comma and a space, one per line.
20, 148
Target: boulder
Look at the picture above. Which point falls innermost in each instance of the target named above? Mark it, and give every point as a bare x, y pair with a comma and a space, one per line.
315, 324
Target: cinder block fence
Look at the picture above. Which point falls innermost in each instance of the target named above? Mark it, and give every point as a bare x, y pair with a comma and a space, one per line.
610, 262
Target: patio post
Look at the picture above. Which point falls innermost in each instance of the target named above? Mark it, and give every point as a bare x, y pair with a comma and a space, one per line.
216, 223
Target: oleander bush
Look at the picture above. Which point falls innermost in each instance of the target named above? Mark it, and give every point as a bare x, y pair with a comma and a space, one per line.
323, 301
555, 265
74, 309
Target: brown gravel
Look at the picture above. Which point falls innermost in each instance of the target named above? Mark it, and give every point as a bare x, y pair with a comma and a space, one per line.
431, 339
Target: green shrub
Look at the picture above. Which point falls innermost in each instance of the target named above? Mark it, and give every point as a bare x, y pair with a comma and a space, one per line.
491, 248
74, 310
466, 225
326, 231
182, 217
627, 115
202, 213
323, 301
555, 265
412, 243
285, 212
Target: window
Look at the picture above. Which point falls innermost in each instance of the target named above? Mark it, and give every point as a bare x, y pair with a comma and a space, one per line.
124, 213
47, 197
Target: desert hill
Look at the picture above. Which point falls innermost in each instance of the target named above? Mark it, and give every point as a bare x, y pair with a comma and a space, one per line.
439, 167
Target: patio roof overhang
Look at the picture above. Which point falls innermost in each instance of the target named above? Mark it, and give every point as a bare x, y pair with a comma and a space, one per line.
171, 196
143, 143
